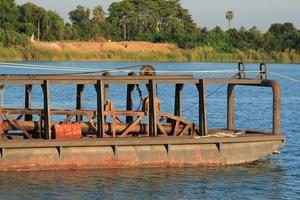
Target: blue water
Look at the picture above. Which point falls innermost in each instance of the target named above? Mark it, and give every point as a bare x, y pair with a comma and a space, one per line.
275, 177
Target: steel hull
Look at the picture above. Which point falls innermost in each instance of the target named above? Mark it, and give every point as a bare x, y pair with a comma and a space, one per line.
135, 152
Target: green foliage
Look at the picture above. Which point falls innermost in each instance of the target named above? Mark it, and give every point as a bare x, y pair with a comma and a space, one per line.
8, 15
150, 20
9, 38
147, 20
52, 26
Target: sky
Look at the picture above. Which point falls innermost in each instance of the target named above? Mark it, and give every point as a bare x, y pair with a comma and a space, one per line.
207, 13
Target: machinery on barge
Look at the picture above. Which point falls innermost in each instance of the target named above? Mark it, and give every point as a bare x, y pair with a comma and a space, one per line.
112, 138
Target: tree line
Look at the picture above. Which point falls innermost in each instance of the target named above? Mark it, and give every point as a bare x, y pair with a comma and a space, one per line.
138, 20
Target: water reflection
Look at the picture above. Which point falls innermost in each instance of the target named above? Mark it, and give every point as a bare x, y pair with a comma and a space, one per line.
262, 179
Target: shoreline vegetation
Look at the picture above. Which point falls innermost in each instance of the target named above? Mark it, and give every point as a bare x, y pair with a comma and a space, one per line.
132, 30
136, 51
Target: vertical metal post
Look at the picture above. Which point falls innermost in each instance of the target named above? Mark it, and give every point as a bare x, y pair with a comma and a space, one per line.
152, 110
178, 100
202, 108
100, 111
230, 106
79, 101
106, 87
47, 113
129, 101
1, 95
276, 107
28, 101
1, 116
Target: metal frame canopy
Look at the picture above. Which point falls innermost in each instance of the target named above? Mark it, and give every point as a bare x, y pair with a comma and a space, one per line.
139, 140
101, 85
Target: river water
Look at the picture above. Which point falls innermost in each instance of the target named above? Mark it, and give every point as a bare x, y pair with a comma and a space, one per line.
275, 177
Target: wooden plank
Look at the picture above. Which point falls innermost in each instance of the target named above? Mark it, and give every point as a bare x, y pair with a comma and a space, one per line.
100, 111
28, 101
47, 112
79, 101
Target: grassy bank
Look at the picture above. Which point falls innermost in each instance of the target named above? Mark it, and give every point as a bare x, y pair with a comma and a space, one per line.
173, 55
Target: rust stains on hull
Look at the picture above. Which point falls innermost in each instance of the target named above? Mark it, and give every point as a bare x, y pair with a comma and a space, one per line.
190, 152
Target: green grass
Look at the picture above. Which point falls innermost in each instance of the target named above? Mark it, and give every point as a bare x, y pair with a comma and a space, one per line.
201, 54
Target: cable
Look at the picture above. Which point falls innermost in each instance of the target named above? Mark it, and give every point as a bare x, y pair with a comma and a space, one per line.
285, 77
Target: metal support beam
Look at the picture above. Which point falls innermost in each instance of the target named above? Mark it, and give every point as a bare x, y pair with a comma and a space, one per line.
152, 110
100, 112
178, 100
276, 107
79, 101
230, 106
129, 101
106, 87
47, 113
1, 95
202, 108
28, 101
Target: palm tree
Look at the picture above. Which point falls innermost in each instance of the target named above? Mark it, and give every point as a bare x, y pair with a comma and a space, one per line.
229, 17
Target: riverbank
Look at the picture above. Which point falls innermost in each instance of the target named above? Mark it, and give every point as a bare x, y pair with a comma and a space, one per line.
136, 51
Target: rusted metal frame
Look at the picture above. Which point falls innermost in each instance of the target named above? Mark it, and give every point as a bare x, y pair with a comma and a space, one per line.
22, 111
47, 112
133, 124
159, 126
28, 101
276, 102
1, 94
178, 100
37, 143
230, 106
16, 124
152, 111
106, 87
129, 99
100, 111
201, 86
79, 100
177, 120
68, 119
85, 77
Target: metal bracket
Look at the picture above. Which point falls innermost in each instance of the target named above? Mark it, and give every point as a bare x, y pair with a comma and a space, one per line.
242, 71
263, 71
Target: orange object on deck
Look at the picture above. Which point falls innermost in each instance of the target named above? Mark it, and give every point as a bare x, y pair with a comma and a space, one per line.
67, 131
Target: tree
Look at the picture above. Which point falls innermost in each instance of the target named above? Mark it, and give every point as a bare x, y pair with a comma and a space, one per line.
52, 26
79, 15
229, 16
84, 28
99, 15
31, 14
135, 19
8, 15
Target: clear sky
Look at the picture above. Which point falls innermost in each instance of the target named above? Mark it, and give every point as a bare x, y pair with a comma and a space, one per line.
208, 13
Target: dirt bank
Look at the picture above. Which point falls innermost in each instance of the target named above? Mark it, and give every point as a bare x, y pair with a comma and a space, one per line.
98, 47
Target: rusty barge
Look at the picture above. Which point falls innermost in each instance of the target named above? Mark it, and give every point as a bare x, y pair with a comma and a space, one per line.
111, 138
